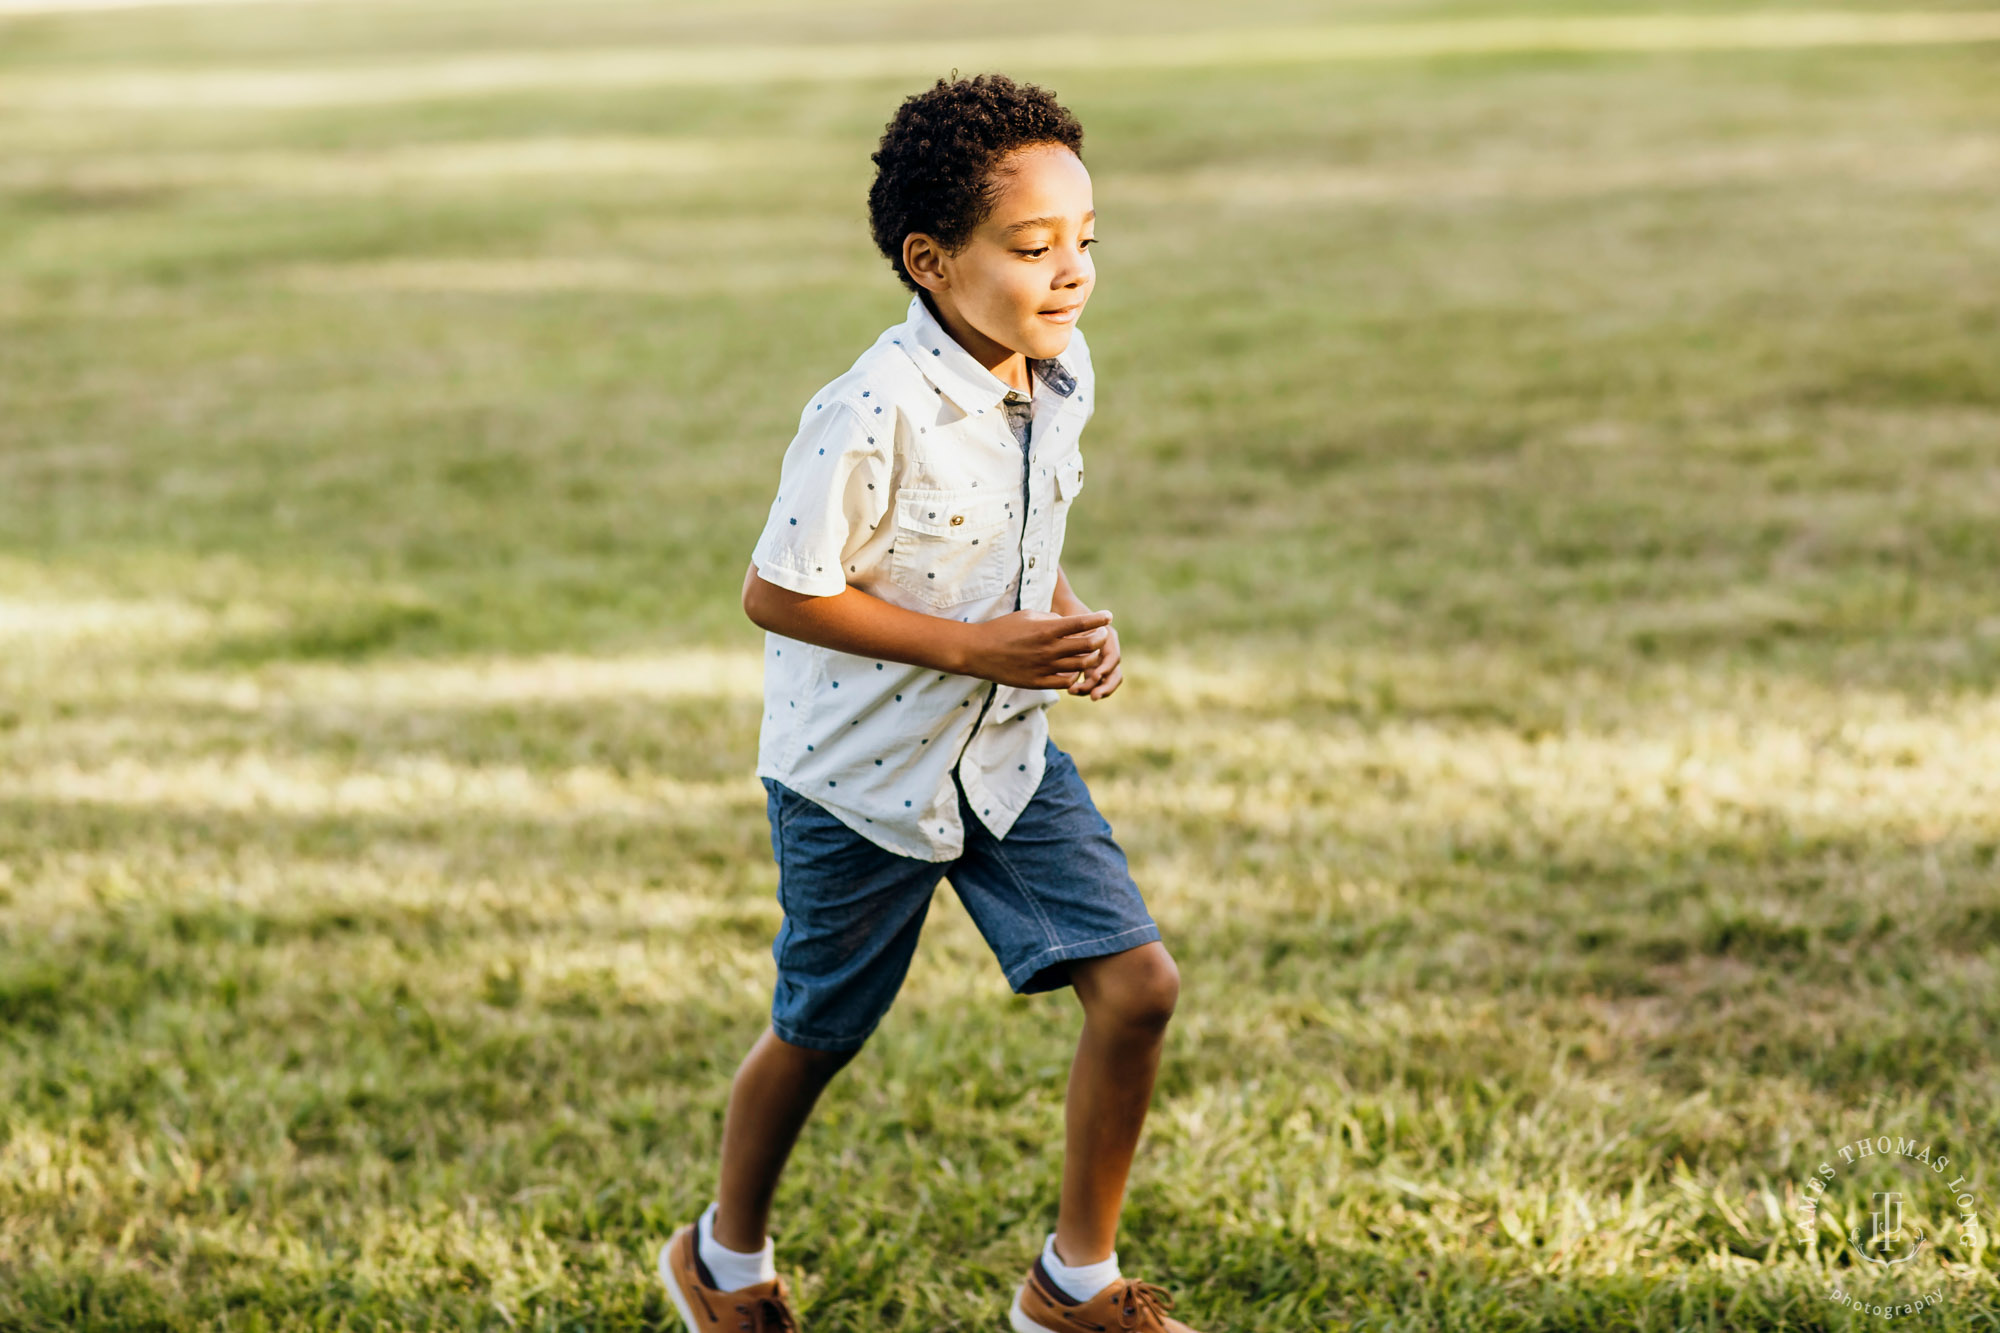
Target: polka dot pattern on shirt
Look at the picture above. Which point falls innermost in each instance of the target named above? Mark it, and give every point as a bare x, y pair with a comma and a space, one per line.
836, 734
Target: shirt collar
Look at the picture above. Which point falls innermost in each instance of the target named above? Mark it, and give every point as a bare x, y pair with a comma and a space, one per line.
954, 371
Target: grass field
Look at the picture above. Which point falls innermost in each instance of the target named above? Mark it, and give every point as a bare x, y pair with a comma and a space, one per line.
1548, 479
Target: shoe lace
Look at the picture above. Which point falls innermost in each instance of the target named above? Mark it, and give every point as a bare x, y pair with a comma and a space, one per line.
1144, 1298
767, 1314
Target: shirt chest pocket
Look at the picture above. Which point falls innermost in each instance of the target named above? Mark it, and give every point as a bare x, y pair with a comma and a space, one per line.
951, 546
1068, 481
1069, 477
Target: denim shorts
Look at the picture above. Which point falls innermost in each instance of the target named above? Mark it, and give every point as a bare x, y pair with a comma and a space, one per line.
1055, 889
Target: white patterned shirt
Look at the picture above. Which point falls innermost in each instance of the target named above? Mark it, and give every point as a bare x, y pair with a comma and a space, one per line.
905, 481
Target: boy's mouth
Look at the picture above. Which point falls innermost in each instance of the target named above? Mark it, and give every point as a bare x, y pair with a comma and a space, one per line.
1062, 314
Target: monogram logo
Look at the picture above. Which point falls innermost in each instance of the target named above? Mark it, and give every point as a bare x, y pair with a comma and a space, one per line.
1880, 1198
1885, 1230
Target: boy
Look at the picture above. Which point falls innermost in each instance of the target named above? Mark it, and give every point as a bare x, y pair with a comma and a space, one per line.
919, 627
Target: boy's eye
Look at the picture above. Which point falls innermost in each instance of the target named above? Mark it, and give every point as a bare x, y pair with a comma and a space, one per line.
1041, 250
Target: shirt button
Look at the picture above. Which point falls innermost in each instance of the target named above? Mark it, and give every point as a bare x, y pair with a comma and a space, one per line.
1031, 562
957, 519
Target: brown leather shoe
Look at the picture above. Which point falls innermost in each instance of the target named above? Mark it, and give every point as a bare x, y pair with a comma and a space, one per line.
765, 1307
1126, 1306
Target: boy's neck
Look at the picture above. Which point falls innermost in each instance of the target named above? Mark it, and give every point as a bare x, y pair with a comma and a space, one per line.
1007, 365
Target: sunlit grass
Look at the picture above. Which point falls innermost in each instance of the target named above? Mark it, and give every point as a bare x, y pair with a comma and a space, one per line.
1548, 496
1488, 986
1234, 47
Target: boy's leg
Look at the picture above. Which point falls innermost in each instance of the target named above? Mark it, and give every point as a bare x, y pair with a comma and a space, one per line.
853, 912
1127, 999
773, 1093
1056, 901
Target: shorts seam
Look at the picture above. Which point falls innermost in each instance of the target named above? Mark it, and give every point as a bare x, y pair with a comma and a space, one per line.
1034, 899
783, 844
1028, 967
799, 1037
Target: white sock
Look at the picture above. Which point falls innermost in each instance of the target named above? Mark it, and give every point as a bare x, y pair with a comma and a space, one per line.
732, 1269
1084, 1280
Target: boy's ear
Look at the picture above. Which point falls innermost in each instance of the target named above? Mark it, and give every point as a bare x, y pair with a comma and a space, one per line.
923, 257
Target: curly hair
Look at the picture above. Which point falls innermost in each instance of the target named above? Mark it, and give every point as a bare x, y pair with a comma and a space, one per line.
935, 171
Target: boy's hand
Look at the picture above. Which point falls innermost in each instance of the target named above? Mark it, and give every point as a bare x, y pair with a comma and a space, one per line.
1038, 650
1099, 680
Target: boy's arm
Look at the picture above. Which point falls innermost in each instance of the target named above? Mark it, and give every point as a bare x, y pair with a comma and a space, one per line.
1064, 601
1030, 649
854, 622
1105, 674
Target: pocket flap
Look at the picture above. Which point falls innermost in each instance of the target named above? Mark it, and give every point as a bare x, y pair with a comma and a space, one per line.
958, 514
1069, 477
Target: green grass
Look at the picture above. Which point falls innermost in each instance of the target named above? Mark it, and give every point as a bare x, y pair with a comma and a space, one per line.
1551, 502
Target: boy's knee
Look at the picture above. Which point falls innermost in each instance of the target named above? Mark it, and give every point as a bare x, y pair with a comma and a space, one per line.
1161, 990
1138, 988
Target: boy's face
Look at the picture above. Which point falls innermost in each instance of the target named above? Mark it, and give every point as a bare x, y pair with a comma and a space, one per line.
1024, 275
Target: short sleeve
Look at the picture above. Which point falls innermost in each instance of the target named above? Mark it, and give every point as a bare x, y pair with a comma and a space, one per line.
832, 491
